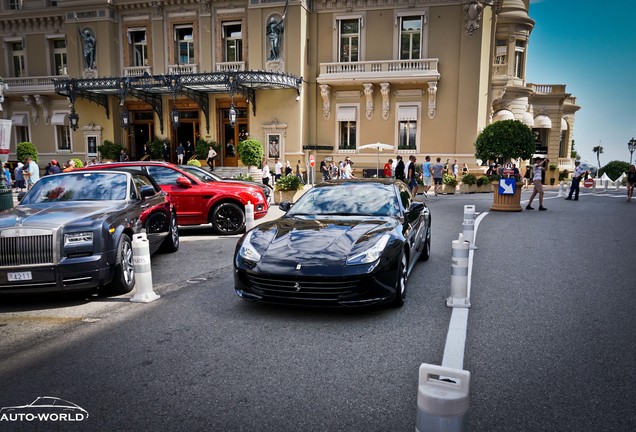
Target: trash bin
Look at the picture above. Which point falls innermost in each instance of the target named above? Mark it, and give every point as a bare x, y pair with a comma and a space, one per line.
6, 199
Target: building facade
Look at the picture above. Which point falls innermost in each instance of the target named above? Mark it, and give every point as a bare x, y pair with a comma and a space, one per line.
317, 78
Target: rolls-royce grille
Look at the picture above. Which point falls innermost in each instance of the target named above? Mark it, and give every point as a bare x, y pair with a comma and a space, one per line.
30, 250
306, 289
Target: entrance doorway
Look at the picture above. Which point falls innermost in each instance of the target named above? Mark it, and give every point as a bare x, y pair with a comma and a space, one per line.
232, 135
188, 131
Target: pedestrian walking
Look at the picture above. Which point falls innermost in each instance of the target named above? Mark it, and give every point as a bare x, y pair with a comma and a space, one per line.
31, 172
427, 175
438, 175
399, 169
211, 156
412, 175
180, 153
266, 173
576, 180
527, 176
388, 170
19, 177
631, 182
537, 174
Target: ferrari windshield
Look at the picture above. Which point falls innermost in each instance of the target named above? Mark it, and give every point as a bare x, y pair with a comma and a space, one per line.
364, 199
78, 186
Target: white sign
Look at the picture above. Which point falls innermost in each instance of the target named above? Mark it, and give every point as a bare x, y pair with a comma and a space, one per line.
5, 139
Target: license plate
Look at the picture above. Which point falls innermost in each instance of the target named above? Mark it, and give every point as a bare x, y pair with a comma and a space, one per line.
19, 276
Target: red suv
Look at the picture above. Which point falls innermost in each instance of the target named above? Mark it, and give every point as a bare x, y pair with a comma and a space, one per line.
199, 202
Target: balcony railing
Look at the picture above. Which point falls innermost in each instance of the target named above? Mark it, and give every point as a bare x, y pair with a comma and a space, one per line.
548, 88
382, 69
137, 71
182, 69
34, 84
230, 66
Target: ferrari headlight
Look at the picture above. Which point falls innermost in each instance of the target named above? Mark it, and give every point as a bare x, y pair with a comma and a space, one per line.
78, 239
370, 255
247, 251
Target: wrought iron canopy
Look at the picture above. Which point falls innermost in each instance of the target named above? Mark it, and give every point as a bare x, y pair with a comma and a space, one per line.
196, 87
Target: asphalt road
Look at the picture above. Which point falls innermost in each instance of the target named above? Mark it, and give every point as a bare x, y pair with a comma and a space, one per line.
550, 341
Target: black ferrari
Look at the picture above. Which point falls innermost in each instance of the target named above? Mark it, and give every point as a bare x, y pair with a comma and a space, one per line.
344, 243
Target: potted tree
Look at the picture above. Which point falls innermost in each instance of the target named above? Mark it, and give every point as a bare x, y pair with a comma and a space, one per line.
505, 140
250, 153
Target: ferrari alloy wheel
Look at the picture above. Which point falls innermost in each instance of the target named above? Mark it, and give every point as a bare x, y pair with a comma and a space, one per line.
228, 218
400, 285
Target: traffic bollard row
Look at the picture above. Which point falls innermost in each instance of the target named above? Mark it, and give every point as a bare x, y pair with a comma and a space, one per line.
459, 274
249, 216
469, 225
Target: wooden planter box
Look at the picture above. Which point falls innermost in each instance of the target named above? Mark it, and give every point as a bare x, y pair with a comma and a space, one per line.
510, 203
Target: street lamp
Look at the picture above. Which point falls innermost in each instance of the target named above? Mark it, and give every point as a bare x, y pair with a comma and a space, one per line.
174, 117
74, 119
232, 115
125, 119
631, 145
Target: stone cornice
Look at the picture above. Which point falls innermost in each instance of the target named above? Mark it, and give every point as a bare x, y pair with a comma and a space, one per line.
351, 5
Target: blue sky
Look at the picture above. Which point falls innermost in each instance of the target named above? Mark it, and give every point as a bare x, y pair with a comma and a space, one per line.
591, 47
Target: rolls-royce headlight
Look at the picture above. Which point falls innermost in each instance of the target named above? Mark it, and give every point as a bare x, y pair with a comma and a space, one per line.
370, 255
78, 239
247, 251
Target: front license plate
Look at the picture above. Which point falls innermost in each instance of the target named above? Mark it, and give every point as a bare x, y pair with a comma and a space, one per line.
19, 276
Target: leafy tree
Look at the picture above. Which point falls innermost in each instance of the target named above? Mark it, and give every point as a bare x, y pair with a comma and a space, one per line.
614, 169
574, 154
250, 152
505, 139
26, 149
598, 150
109, 150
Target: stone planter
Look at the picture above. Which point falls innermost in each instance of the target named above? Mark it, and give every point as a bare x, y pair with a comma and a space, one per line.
487, 188
464, 188
448, 189
510, 203
280, 196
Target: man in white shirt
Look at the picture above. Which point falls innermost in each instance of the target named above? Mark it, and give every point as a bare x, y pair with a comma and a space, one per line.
278, 169
576, 179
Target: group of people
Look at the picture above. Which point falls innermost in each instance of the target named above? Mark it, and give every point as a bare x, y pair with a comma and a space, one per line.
183, 152
341, 170
281, 170
431, 174
26, 174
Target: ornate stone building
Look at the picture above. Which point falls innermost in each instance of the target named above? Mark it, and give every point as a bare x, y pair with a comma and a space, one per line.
306, 77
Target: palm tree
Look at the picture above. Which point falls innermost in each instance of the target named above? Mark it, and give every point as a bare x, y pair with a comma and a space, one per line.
598, 150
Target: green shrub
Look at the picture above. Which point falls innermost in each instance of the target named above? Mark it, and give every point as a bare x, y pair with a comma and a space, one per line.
251, 152
26, 149
505, 139
449, 180
483, 180
469, 179
553, 167
288, 183
194, 162
244, 177
110, 150
78, 162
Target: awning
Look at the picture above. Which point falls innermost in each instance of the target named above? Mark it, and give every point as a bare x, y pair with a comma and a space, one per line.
59, 119
407, 113
347, 114
19, 120
503, 115
527, 119
564, 124
542, 122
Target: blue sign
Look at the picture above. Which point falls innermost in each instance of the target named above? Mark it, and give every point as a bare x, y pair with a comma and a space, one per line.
507, 186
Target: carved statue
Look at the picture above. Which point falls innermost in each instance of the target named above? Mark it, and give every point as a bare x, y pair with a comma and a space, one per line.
274, 31
88, 47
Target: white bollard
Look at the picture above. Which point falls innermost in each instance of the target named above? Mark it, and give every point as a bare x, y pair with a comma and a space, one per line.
249, 216
469, 225
618, 185
561, 194
459, 274
443, 399
143, 272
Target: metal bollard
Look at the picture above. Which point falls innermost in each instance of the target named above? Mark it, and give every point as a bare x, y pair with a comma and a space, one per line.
459, 274
249, 216
443, 399
143, 272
